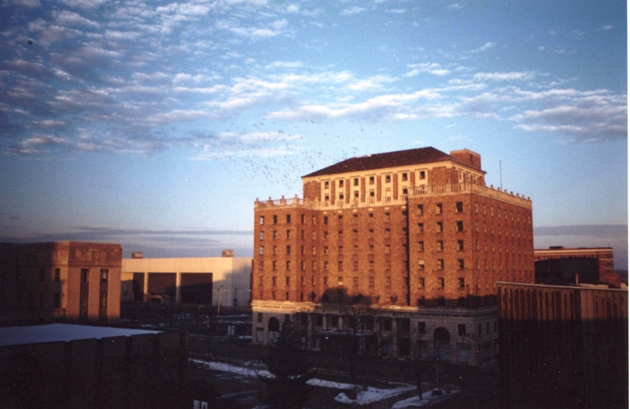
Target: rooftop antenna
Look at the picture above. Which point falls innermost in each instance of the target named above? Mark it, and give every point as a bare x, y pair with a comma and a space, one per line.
500, 175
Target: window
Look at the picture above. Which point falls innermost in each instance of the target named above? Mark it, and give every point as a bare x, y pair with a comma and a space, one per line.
371, 179
56, 300
274, 250
260, 317
460, 263
341, 183
326, 185
288, 250
438, 208
303, 219
57, 276
261, 220
440, 245
288, 281
387, 249
388, 178
387, 324
388, 281
459, 207
326, 265
461, 283
260, 281
405, 177
288, 218
439, 227
261, 235
325, 249
387, 232
460, 225
340, 265
387, 216
274, 264
275, 219
340, 218
325, 219
422, 327
420, 265
440, 264
420, 210
355, 281
440, 282
288, 265
371, 281
460, 245
421, 282
421, 246
461, 330
422, 175
356, 181
273, 281
288, 234
104, 275
420, 227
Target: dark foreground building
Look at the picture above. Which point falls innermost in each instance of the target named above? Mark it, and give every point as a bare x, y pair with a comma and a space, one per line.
78, 366
563, 347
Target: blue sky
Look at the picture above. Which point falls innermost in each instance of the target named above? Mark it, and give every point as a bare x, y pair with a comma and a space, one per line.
157, 124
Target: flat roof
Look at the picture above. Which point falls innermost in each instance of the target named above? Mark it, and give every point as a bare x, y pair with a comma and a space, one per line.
37, 334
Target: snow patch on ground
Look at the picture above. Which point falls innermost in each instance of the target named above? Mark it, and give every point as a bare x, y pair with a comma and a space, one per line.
427, 398
364, 397
371, 395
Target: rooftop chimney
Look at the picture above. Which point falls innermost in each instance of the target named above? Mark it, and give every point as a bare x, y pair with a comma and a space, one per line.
137, 254
227, 253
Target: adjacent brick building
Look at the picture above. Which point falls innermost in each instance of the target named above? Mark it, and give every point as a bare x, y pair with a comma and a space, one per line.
401, 248
65, 279
559, 265
563, 347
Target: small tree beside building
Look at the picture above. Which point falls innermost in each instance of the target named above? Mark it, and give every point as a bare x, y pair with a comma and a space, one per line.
288, 363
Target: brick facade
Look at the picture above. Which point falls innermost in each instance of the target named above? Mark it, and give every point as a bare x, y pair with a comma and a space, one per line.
421, 231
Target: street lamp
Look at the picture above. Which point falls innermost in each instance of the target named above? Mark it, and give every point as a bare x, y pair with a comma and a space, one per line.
220, 291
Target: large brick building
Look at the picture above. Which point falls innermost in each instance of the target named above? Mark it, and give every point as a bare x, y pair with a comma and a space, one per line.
414, 237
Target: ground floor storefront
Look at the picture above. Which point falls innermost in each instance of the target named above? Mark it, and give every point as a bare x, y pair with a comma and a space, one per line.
455, 335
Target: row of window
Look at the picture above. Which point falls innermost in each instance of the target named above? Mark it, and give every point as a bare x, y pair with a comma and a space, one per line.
420, 210
56, 274
439, 283
403, 325
371, 180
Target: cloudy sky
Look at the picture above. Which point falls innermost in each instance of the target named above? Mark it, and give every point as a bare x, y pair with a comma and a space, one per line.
157, 124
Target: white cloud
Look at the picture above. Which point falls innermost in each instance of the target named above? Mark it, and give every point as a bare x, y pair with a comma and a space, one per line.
455, 6
27, 3
430, 68
350, 11
485, 47
70, 18
505, 76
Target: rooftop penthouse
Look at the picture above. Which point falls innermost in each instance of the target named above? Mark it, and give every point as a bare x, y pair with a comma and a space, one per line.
424, 190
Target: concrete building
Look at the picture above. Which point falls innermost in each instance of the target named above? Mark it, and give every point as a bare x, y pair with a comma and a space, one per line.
400, 250
207, 280
558, 265
80, 366
563, 347
66, 279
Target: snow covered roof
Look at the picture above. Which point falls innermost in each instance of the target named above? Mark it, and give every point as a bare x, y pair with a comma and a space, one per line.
37, 334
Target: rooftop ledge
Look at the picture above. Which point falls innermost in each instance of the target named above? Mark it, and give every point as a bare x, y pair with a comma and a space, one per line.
449, 189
